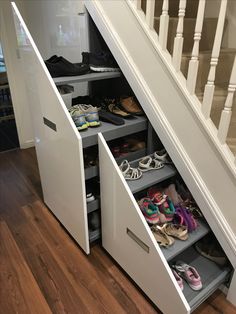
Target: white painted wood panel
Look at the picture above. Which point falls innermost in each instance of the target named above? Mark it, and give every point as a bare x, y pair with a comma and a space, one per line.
58, 143
138, 253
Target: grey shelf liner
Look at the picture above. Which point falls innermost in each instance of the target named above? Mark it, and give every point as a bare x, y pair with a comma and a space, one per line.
111, 131
150, 178
179, 246
91, 172
94, 205
212, 276
94, 235
86, 77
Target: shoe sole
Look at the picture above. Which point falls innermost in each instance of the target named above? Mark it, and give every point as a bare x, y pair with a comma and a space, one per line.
83, 127
93, 124
104, 69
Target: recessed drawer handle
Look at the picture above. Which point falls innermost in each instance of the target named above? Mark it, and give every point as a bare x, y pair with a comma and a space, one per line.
50, 124
144, 246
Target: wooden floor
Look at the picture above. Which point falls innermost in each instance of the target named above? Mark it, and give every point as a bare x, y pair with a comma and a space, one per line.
43, 271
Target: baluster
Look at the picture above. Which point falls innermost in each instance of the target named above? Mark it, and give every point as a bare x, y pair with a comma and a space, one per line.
194, 62
150, 9
227, 111
179, 40
210, 86
164, 24
137, 4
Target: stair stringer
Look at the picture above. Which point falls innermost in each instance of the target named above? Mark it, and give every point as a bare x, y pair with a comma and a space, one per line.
181, 130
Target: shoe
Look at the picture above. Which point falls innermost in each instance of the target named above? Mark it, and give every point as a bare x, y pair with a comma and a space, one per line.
147, 163
78, 117
149, 210
91, 115
100, 62
173, 195
135, 144
128, 172
90, 197
115, 109
161, 237
59, 66
184, 217
209, 248
110, 117
177, 231
178, 279
162, 156
130, 105
189, 274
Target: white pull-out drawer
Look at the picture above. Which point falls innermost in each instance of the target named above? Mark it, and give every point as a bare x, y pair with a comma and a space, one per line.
129, 240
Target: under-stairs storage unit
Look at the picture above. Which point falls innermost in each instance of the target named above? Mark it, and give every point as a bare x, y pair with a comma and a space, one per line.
125, 232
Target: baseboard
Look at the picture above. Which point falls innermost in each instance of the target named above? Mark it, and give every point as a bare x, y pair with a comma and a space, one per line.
27, 144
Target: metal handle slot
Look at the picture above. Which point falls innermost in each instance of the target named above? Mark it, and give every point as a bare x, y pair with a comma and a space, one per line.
144, 246
50, 124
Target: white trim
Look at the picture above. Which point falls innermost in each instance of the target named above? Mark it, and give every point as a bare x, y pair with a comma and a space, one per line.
27, 144
194, 102
219, 224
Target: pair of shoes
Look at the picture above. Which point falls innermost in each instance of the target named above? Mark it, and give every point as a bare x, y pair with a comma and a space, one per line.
59, 66
130, 105
151, 212
183, 216
120, 151
165, 234
128, 172
188, 273
148, 163
210, 248
100, 62
163, 202
84, 116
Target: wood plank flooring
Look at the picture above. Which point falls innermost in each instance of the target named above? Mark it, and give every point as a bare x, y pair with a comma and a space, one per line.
42, 270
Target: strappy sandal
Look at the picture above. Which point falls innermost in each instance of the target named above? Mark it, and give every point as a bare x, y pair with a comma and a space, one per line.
162, 238
148, 163
176, 231
128, 172
114, 108
162, 156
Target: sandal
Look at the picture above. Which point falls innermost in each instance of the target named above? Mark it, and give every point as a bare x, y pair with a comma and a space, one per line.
147, 164
162, 238
162, 156
177, 231
188, 219
188, 273
128, 172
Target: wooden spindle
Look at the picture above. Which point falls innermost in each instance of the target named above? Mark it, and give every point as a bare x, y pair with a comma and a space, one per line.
150, 10
138, 4
164, 24
179, 40
227, 111
210, 86
194, 62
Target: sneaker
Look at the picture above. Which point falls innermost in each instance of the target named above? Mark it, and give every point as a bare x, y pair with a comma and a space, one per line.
209, 248
178, 279
59, 66
149, 210
78, 117
100, 62
91, 115
189, 274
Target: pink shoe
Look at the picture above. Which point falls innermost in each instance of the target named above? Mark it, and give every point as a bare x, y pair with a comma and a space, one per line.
189, 274
178, 279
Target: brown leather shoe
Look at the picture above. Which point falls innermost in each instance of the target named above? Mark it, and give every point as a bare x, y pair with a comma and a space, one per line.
131, 106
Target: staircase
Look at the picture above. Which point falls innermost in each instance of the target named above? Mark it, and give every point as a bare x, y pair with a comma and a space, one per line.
186, 90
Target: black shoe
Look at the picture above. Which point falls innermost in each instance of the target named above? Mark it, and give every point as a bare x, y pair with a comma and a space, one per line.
59, 66
100, 62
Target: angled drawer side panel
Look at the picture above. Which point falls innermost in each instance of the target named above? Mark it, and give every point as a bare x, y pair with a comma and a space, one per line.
58, 143
127, 237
